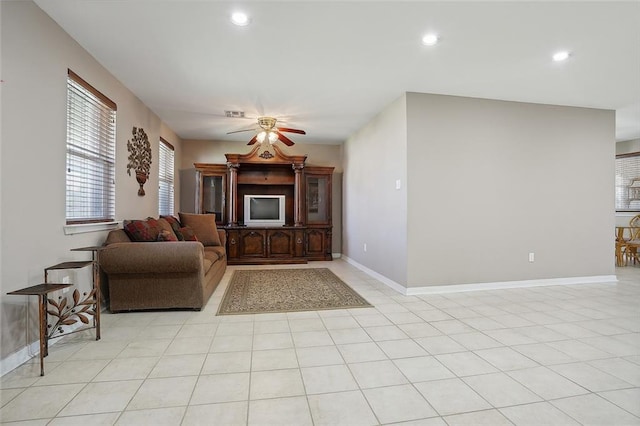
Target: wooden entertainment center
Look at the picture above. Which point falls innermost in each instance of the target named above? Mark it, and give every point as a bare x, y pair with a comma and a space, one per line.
306, 234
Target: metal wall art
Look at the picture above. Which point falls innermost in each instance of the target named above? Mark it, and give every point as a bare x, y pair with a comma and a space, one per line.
139, 157
68, 314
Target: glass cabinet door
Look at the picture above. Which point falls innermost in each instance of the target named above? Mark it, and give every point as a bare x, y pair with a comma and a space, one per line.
213, 196
318, 194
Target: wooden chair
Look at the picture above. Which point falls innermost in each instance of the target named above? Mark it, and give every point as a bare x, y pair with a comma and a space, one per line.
632, 245
628, 242
621, 247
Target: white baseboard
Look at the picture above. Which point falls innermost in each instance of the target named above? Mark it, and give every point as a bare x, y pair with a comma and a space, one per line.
19, 357
458, 288
500, 285
388, 282
32, 350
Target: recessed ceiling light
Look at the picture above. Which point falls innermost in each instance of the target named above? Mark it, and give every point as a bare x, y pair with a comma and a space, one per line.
561, 56
430, 39
240, 19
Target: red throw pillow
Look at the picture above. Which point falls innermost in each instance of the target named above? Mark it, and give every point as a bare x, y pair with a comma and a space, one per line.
165, 235
188, 234
175, 225
142, 230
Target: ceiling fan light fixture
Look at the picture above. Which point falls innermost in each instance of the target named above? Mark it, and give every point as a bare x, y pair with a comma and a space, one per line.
267, 123
240, 19
267, 131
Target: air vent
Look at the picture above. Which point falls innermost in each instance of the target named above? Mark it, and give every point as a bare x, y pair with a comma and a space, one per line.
234, 114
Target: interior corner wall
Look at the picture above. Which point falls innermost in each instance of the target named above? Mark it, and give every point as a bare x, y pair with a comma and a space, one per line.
374, 211
36, 54
492, 181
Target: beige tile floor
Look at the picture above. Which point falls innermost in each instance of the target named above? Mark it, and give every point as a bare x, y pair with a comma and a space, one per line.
563, 355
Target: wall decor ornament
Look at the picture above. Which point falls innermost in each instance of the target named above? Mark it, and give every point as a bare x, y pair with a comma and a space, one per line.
139, 157
266, 155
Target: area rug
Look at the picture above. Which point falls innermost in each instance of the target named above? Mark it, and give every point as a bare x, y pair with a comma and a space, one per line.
287, 290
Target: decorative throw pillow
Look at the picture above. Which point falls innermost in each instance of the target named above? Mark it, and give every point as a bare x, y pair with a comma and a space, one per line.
165, 235
142, 230
175, 225
163, 225
204, 226
188, 234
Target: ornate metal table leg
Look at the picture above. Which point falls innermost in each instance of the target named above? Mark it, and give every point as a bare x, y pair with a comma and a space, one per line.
44, 341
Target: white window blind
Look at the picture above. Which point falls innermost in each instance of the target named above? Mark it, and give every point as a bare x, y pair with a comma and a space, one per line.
165, 178
91, 128
628, 182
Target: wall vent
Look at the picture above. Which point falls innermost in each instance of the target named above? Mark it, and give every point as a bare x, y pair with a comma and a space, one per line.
234, 114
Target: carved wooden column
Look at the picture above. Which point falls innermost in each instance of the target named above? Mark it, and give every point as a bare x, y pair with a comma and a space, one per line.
298, 202
233, 191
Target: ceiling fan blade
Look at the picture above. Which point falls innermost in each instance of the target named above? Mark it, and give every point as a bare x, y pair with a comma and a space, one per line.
253, 140
286, 129
243, 130
285, 139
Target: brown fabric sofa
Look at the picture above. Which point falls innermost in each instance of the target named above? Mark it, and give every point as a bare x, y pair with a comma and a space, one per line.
160, 275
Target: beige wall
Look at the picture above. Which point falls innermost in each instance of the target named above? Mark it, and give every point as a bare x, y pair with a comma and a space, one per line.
374, 211
487, 182
205, 151
626, 147
36, 54
492, 181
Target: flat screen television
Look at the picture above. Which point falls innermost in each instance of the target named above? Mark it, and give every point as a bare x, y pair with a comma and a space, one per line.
264, 210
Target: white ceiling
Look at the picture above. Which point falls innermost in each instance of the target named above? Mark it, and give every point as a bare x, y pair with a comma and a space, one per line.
330, 66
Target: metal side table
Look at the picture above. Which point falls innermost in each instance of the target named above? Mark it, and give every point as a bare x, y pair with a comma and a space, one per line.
41, 290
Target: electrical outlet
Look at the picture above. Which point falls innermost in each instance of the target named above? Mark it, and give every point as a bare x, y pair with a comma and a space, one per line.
532, 257
365, 247
398, 184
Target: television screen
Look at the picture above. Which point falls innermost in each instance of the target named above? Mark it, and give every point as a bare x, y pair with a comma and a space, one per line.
264, 208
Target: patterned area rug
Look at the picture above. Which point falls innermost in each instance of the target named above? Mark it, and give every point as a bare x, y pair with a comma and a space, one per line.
287, 290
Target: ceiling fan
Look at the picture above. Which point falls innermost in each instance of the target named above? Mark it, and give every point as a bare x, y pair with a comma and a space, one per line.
267, 131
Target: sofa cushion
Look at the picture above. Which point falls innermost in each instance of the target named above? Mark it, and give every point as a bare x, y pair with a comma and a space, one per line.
165, 235
204, 226
142, 230
218, 250
175, 225
211, 255
188, 234
206, 265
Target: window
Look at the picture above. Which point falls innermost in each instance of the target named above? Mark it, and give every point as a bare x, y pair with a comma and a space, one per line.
91, 129
628, 182
165, 178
